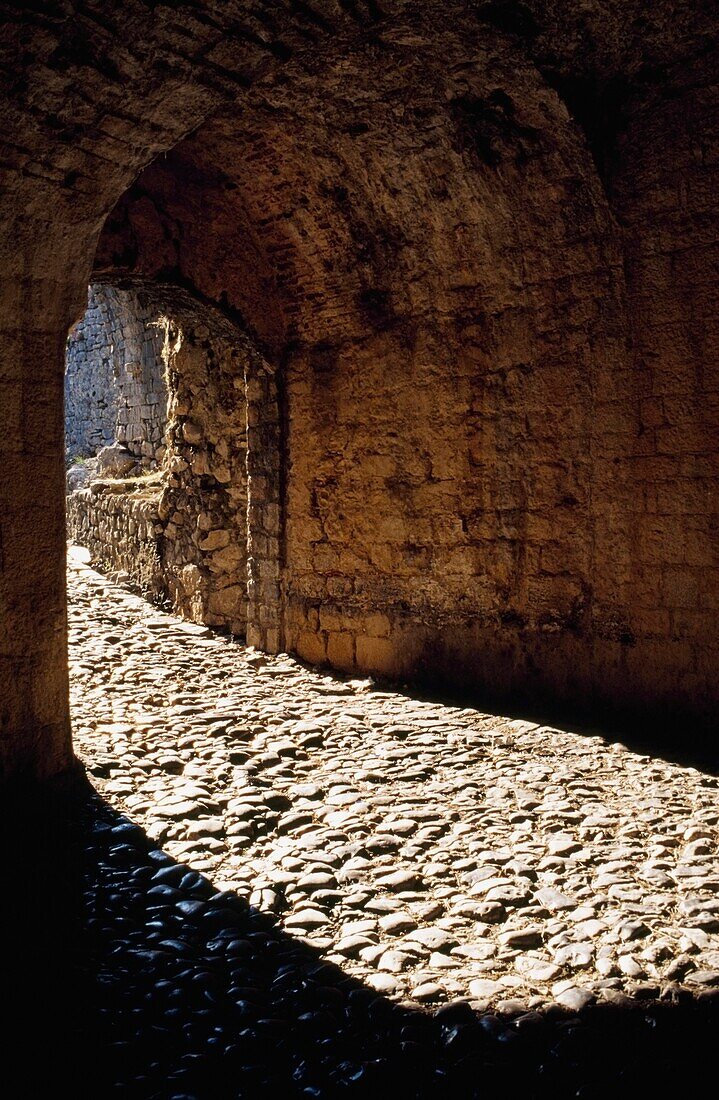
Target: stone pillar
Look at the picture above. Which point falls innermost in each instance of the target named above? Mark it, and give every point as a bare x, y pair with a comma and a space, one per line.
35, 312
204, 500
265, 620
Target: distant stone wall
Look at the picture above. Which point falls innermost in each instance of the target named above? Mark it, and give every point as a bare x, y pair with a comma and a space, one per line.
90, 392
114, 385
122, 531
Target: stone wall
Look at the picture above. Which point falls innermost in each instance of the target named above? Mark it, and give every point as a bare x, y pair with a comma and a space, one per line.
204, 500
458, 302
114, 385
660, 477
90, 383
196, 553
119, 524
420, 179
266, 464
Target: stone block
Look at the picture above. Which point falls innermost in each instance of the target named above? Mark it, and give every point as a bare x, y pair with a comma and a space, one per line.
377, 625
331, 618
375, 655
227, 558
340, 650
192, 432
114, 461
215, 540
312, 647
226, 602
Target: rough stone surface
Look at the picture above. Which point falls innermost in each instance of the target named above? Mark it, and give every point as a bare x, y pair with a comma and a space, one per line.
114, 386
181, 535
114, 461
119, 525
476, 244
375, 825
80, 474
175, 987
204, 499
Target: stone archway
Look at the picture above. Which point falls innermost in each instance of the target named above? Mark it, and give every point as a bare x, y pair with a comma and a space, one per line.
433, 418
496, 371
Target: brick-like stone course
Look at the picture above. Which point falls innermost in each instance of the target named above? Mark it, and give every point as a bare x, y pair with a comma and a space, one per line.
114, 385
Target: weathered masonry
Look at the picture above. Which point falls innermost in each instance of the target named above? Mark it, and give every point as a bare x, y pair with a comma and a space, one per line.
114, 386
467, 254
179, 534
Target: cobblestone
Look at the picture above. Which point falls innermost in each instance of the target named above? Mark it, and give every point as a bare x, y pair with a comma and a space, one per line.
467, 855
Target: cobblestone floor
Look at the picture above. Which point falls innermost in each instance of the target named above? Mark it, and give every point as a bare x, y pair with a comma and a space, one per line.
437, 857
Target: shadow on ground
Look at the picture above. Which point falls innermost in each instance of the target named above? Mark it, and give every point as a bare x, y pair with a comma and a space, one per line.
128, 974
668, 735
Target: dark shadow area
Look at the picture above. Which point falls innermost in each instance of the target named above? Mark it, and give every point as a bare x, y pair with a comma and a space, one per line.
128, 974
672, 736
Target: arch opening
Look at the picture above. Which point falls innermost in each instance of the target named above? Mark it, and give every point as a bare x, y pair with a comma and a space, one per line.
435, 393
157, 409
408, 222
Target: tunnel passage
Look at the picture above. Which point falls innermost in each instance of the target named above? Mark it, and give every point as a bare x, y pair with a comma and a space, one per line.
472, 493
475, 243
